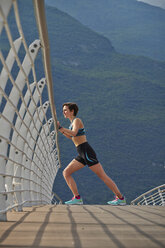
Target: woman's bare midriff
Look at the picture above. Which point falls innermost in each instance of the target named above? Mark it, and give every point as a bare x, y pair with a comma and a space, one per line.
79, 140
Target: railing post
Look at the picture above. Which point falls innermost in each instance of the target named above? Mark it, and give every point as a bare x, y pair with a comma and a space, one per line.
2, 188
4, 124
4, 132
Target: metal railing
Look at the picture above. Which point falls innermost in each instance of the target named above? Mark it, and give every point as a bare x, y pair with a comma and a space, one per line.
155, 196
29, 152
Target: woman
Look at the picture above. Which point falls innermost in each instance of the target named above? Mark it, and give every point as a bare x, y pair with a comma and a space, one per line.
86, 155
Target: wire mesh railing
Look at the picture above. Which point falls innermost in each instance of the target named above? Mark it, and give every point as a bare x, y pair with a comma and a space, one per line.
29, 153
155, 196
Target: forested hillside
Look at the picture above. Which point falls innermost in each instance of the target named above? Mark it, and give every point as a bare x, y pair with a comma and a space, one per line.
121, 101
133, 27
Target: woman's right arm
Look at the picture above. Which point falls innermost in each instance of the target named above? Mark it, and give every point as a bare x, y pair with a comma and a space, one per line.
68, 132
66, 135
61, 130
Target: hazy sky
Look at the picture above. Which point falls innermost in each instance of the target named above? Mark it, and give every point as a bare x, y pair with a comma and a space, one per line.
159, 3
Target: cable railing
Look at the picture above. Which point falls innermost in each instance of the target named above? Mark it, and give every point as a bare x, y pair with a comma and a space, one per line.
155, 196
29, 152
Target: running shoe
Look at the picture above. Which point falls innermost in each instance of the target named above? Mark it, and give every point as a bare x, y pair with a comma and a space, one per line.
75, 201
117, 202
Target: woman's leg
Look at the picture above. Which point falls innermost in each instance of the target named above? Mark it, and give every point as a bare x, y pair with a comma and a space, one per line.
67, 173
99, 171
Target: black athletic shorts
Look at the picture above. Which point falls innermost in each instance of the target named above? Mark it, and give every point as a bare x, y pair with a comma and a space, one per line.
86, 154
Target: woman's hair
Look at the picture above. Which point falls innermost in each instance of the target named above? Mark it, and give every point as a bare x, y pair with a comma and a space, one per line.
71, 106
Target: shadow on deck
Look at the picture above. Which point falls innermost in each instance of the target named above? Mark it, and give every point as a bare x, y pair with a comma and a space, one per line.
85, 226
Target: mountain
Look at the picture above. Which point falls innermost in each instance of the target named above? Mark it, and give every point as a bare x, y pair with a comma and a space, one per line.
132, 27
121, 101
158, 3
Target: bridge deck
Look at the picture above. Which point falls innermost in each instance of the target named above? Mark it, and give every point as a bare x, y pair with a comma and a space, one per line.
85, 226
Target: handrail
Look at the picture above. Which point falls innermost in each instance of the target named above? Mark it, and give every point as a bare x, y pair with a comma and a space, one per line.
29, 151
42, 27
155, 196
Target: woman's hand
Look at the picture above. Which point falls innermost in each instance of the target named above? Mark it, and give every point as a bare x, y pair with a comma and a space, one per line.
59, 127
58, 124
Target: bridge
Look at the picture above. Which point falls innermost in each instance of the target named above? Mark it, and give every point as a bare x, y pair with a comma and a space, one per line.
85, 226
30, 159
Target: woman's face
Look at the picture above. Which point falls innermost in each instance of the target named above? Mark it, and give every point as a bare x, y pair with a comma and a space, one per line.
66, 112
